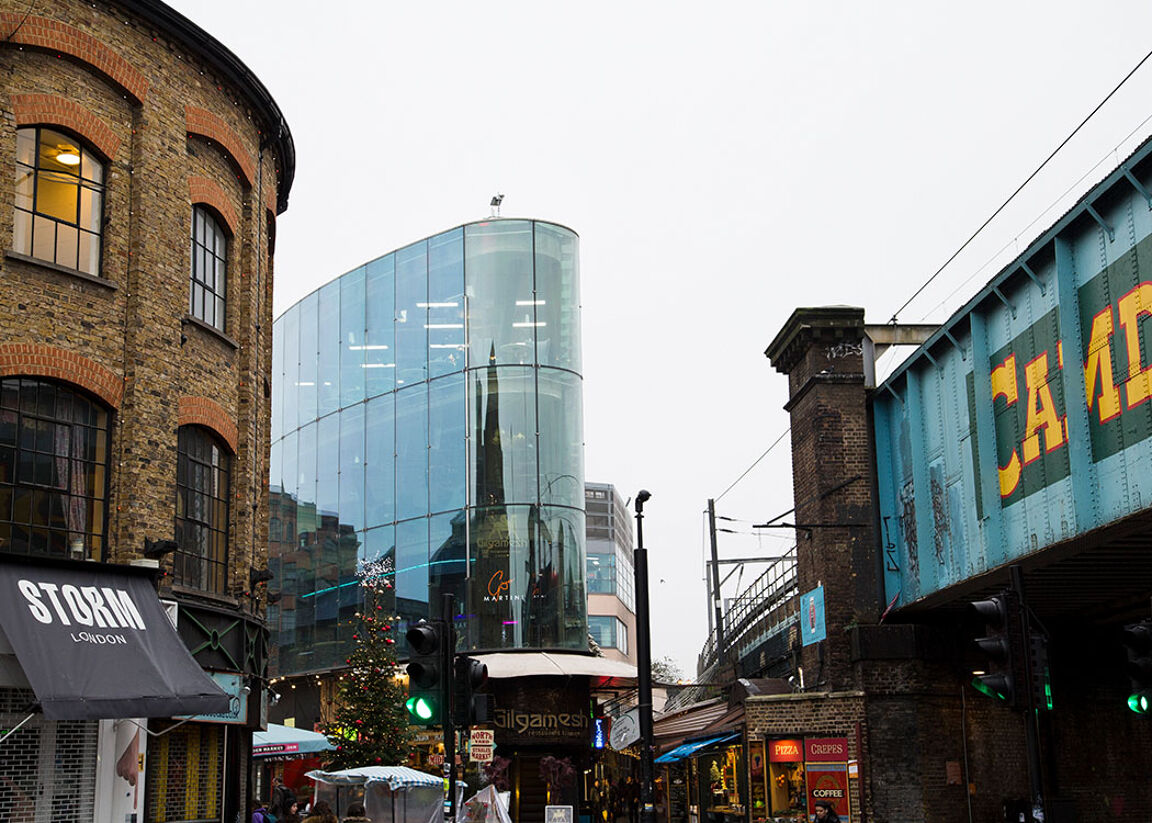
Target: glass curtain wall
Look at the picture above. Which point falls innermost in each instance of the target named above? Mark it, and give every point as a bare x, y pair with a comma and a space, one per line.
428, 418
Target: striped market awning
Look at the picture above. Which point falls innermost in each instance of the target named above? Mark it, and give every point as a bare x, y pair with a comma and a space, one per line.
397, 777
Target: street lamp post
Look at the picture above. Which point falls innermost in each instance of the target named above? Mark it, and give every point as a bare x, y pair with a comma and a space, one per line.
644, 664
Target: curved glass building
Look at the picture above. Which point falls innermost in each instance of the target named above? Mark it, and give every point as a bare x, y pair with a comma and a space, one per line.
427, 418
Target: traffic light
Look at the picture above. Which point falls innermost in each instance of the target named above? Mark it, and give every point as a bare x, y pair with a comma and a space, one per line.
427, 673
471, 708
1137, 639
997, 677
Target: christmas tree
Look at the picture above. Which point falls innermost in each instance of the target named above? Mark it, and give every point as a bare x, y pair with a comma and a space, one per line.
371, 723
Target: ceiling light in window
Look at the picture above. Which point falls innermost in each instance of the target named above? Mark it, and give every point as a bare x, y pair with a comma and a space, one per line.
370, 347
377, 365
443, 325
531, 302
68, 156
529, 325
437, 305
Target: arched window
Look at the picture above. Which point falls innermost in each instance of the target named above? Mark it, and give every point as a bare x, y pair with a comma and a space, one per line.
59, 200
54, 446
203, 469
209, 268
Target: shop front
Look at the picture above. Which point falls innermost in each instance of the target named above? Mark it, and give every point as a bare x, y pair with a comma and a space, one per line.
788, 775
87, 655
704, 781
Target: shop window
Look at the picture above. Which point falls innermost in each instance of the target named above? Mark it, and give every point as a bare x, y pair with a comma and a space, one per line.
603, 630
787, 798
723, 785
203, 470
209, 268
59, 200
601, 573
54, 444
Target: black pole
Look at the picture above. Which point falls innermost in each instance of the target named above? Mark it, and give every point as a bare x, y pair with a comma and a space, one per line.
1031, 732
716, 585
644, 665
447, 659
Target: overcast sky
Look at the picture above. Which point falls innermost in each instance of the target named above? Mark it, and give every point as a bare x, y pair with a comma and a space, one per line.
723, 165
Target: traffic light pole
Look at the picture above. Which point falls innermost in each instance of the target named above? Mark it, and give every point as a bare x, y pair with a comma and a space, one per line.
1031, 732
447, 657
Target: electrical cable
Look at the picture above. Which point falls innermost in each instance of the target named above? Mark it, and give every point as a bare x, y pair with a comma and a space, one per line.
1012, 196
750, 468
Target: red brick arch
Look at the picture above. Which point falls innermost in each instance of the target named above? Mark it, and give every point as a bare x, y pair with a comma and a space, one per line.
39, 360
208, 192
204, 411
63, 39
206, 124
50, 110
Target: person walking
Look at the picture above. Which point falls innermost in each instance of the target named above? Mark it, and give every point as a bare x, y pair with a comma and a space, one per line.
321, 813
356, 814
632, 799
825, 813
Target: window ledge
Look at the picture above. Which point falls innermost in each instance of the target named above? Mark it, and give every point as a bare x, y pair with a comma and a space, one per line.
189, 320
56, 267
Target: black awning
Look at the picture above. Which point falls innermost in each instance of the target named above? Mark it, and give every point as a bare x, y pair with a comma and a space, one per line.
94, 642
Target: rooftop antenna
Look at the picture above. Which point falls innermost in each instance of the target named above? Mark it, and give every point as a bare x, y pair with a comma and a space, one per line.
495, 204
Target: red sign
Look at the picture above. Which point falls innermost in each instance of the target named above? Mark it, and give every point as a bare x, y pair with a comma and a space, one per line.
826, 749
828, 782
784, 751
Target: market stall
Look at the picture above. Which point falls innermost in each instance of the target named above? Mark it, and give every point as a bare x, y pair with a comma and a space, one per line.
390, 794
288, 754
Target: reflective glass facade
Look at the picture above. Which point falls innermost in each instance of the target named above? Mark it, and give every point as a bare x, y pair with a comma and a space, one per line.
427, 414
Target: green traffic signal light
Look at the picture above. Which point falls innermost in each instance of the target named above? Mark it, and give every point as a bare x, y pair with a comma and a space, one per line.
420, 708
1139, 702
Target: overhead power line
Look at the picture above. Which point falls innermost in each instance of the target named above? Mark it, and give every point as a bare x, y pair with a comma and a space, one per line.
750, 468
1012, 196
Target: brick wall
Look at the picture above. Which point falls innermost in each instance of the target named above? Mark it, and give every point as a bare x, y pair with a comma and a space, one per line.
175, 127
173, 133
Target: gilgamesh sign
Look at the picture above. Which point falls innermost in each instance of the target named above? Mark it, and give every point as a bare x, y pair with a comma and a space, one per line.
534, 714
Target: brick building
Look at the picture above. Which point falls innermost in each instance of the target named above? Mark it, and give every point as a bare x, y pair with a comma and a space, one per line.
142, 167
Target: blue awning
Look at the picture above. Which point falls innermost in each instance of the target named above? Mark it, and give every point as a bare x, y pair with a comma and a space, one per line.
279, 741
689, 749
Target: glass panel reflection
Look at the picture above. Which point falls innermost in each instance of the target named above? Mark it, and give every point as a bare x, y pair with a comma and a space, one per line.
559, 396
309, 341
501, 300
447, 446
446, 303
328, 344
379, 346
380, 461
557, 297
352, 346
412, 315
455, 477
412, 452
503, 426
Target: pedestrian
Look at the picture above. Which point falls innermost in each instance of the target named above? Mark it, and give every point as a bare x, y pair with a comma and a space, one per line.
599, 799
825, 813
321, 813
289, 809
269, 813
356, 814
632, 798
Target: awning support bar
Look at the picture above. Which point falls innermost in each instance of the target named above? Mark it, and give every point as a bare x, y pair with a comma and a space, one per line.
17, 727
